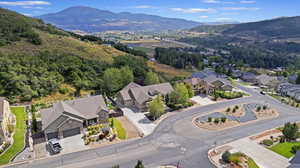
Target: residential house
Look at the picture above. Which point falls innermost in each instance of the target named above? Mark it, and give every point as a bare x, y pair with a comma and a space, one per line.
291, 90
292, 78
237, 73
267, 81
136, 96
207, 81
295, 161
199, 85
68, 118
124, 98
6, 119
249, 77
218, 83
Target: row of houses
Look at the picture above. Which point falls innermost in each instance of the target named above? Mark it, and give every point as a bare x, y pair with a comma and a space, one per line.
68, 118
262, 80
291, 90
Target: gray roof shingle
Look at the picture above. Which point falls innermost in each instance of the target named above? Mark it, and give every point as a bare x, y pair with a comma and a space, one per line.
143, 94
81, 109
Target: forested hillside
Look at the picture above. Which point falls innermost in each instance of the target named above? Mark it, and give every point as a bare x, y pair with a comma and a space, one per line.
37, 59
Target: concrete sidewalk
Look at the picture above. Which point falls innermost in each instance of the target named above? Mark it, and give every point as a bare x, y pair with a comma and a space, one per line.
263, 157
142, 123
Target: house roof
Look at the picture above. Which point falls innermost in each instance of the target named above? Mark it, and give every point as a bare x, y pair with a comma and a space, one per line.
211, 79
81, 109
296, 158
199, 75
248, 75
265, 79
203, 74
125, 91
192, 81
143, 94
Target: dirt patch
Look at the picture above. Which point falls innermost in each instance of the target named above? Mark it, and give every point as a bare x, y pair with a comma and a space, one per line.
265, 114
266, 133
236, 111
131, 130
216, 127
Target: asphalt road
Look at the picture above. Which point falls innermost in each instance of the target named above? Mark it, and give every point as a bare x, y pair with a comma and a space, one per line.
175, 141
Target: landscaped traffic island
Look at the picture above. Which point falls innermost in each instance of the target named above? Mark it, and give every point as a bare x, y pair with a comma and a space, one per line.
18, 136
235, 116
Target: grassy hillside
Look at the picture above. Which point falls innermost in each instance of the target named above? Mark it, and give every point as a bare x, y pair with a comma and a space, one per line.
285, 27
37, 60
63, 44
24, 35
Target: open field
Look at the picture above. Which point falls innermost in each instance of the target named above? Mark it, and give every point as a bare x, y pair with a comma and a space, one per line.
64, 44
19, 136
139, 41
168, 70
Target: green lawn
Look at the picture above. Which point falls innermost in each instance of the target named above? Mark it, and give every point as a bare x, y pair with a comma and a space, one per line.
19, 136
244, 83
119, 128
251, 163
144, 49
284, 149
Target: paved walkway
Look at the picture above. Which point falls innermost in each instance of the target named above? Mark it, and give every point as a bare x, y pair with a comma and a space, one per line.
263, 157
143, 124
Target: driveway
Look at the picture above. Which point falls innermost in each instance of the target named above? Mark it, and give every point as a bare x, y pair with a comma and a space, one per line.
263, 157
72, 144
202, 100
142, 123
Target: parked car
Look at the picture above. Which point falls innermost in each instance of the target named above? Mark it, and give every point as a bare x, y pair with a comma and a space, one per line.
54, 145
263, 93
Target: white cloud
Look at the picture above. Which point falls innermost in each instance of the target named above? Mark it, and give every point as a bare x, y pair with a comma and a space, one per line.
247, 2
241, 8
203, 17
223, 19
194, 10
144, 7
32, 7
211, 1
24, 3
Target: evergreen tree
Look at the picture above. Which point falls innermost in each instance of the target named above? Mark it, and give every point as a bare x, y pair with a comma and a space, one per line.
290, 131
139, 164
156, 107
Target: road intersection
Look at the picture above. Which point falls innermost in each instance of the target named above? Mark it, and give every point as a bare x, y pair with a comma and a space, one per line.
175, 140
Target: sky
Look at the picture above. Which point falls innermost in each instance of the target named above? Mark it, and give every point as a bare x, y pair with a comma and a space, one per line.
197, 10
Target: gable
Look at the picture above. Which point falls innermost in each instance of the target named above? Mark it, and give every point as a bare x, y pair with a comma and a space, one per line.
53, 126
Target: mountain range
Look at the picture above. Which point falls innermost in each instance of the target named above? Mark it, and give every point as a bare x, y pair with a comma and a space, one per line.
94, 20
284, 27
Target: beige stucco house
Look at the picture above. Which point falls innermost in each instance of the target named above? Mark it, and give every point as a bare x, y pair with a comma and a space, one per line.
136, 96
6, 119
